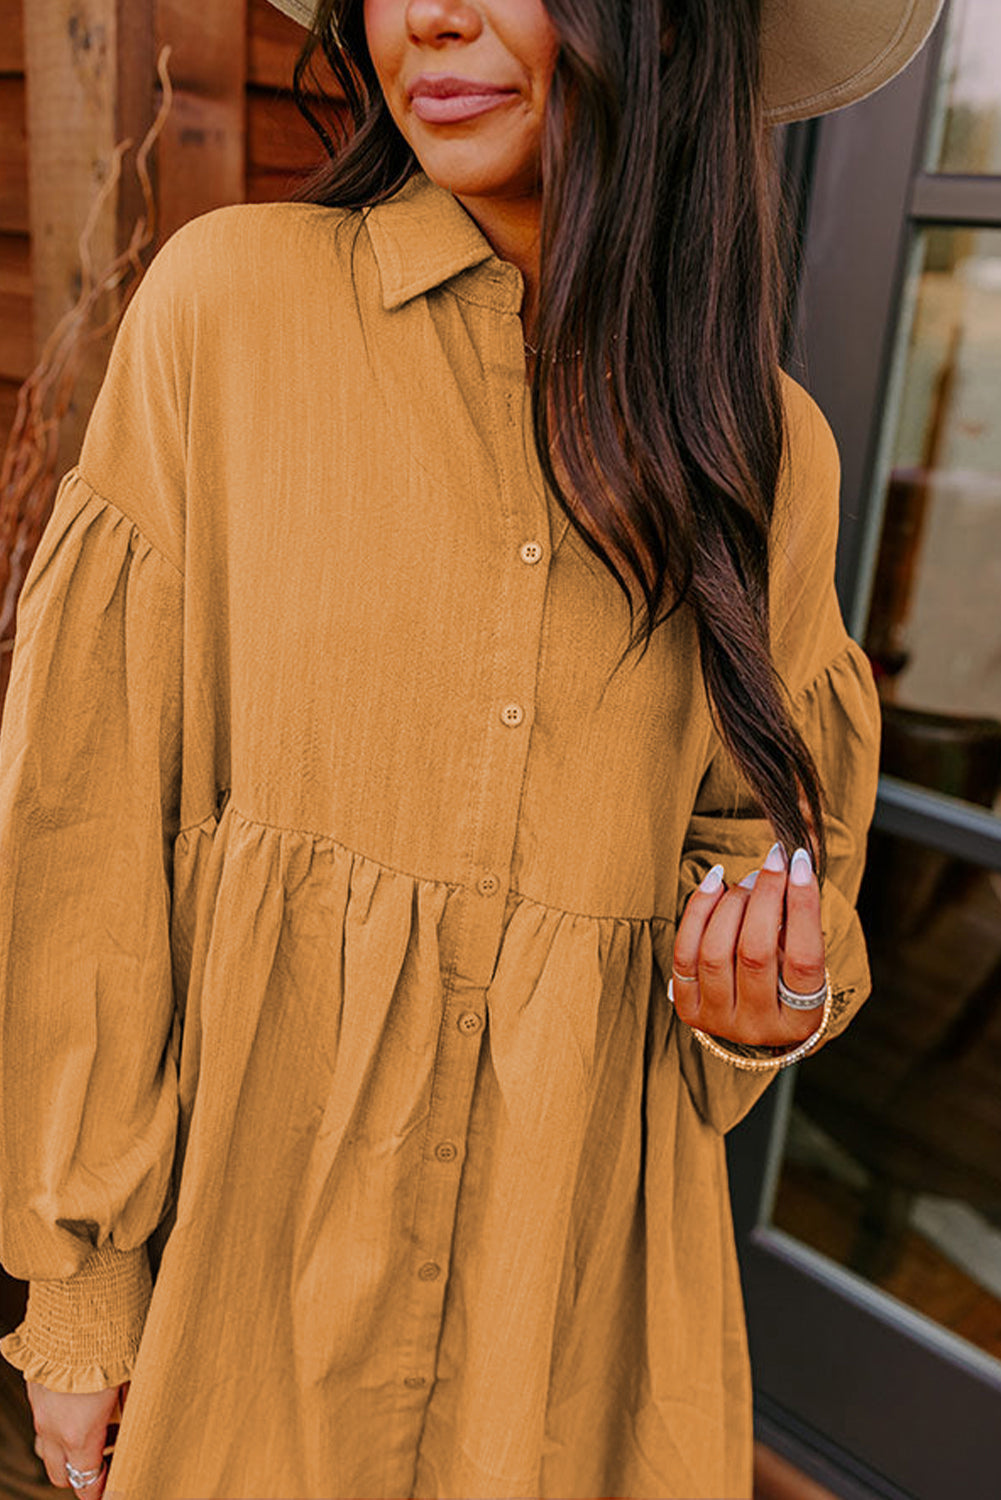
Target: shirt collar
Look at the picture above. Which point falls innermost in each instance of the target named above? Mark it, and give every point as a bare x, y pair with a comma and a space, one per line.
423, 237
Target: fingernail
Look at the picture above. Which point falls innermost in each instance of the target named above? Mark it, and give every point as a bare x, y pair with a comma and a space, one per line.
801, 868
748, 880
775, 858
712, 880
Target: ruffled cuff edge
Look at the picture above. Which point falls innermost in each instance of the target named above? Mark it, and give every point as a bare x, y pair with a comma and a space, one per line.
58, 1376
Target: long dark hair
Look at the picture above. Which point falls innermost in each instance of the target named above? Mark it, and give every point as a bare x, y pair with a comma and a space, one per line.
664, 239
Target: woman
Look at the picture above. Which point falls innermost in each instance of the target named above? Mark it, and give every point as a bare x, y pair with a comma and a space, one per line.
442, 603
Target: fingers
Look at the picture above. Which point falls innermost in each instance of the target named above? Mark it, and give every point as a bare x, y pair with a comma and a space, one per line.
89, 1467
73, 1428
688, 938
703, 979
803, 958
731, 945
768, 946
737, 991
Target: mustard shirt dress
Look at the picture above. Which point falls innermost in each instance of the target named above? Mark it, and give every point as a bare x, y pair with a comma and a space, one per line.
344, 1110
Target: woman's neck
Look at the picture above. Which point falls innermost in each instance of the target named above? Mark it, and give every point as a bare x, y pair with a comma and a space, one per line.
512, 225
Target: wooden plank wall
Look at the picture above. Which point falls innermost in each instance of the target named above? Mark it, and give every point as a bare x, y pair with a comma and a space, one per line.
281, 145
201, 154
16, 319
233, 134
87, 70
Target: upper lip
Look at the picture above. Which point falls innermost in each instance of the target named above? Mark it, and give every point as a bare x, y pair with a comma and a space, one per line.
446, 85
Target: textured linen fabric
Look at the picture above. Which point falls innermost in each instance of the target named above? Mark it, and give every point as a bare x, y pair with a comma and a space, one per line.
340, 880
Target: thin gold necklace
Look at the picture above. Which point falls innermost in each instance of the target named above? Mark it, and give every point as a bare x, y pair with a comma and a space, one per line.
531, 349
560, 358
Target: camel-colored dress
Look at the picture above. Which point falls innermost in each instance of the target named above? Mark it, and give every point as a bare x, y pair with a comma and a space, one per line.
340, 875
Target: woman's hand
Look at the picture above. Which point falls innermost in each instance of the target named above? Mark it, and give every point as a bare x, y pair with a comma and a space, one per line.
732, 944
73, 1426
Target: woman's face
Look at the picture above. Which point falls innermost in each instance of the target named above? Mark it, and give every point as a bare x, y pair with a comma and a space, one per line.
466, 82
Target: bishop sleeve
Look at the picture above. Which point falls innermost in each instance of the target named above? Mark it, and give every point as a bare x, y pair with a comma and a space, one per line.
90, 747
835, 706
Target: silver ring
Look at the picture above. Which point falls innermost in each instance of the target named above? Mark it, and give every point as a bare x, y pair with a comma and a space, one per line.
802, 1002
81, 1478
691, 978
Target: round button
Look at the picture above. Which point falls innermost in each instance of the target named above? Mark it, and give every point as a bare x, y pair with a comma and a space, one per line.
429, 1271
512, 715
446, 1151
469, 1022
530, 552
488, 885
415, 1382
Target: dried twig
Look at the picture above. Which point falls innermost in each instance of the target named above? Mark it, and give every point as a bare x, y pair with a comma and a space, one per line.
28, 481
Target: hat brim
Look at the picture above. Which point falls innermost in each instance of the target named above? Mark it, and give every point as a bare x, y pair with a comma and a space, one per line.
817, 55
299, 10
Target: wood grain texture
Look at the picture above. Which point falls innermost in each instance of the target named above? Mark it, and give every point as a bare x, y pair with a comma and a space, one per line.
273, 44
13, 155
16, 331
74, 117
202, 151
11, 36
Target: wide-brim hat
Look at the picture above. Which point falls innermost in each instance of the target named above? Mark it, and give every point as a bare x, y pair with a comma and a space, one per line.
817, 55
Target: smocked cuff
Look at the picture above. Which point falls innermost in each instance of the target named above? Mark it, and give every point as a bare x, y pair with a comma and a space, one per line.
82, 1333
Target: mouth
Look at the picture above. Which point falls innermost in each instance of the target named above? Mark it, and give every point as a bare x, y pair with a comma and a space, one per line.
443, 99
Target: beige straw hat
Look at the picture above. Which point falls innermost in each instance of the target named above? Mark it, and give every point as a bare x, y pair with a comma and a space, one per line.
819, 55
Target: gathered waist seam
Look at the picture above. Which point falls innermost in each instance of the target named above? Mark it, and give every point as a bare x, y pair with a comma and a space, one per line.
210, 823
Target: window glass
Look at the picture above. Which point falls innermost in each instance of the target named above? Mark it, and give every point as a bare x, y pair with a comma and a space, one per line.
934, 628
892, 1161
966, 132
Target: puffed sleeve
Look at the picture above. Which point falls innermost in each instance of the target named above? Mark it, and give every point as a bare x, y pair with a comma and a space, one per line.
89, 793
835, 706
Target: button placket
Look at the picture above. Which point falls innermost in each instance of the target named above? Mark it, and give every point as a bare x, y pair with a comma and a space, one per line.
472, 931
438, 1185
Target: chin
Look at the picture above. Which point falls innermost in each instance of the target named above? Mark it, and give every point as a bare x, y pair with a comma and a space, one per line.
487, 163
477, 179
463, 184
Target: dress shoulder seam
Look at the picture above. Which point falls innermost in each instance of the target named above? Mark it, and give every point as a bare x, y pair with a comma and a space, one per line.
845, 649
114, 505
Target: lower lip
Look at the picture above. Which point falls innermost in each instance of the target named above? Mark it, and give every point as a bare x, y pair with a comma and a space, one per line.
453, 107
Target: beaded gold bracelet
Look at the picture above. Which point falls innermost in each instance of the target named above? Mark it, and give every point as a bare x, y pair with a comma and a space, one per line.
781, 1059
